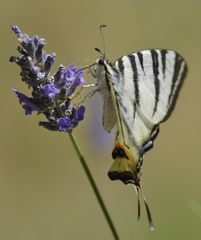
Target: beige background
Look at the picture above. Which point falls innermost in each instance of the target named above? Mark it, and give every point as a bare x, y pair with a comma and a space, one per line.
44, 194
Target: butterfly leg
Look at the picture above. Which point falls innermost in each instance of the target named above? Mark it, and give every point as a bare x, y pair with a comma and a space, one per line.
93, 72
84, 86
90, 94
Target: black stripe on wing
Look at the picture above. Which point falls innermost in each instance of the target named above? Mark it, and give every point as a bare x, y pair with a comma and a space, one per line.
135, 78
121, 66
177, 67
155, 65
140, 57
163, 60
135, 81
179, 64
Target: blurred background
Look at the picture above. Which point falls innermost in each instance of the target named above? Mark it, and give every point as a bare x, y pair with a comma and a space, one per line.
44, 193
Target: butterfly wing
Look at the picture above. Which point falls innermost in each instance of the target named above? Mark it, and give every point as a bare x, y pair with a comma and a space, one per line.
109, 114
142, 88
148, 85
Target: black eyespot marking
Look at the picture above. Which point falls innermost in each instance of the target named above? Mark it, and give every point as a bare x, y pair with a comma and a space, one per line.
118, 152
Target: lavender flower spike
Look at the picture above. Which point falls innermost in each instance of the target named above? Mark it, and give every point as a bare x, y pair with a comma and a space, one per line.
50, 94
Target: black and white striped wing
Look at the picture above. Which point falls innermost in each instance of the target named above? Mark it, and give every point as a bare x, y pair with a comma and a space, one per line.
147, 89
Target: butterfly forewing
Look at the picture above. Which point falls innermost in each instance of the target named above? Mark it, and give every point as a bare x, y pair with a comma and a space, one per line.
109, 116
152, 79
150, 82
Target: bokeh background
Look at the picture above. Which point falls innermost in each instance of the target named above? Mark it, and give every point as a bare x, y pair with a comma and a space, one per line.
44, 193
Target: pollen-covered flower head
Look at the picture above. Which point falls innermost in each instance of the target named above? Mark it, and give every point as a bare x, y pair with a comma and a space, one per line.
51, 94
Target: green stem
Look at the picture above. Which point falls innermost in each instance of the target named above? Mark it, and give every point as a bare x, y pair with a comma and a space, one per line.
94, 187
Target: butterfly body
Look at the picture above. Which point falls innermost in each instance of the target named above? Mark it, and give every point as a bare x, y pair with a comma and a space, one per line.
124, 165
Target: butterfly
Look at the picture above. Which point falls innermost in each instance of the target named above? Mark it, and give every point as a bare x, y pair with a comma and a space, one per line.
139, 92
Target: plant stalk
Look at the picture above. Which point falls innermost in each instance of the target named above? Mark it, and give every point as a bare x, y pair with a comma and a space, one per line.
94, 187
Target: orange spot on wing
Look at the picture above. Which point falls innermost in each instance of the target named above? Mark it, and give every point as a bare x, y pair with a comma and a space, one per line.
124, 148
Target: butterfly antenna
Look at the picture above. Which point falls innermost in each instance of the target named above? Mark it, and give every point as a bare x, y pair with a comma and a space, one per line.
102, 37
151, 224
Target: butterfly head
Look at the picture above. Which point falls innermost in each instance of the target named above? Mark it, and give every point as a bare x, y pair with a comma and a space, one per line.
101, 72
124, 167
101, 61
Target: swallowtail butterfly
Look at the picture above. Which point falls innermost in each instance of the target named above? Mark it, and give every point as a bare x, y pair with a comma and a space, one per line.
139, 92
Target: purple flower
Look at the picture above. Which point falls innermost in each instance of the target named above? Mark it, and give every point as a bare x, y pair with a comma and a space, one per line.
50, 91
40, 54
26, 42
22, 98
51, 94
49, 62
16, 30
69, 74
58, 75
78, 79
65, 124
29, 108
66, 106
79, 115
49, 125
72, 78
27, 102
